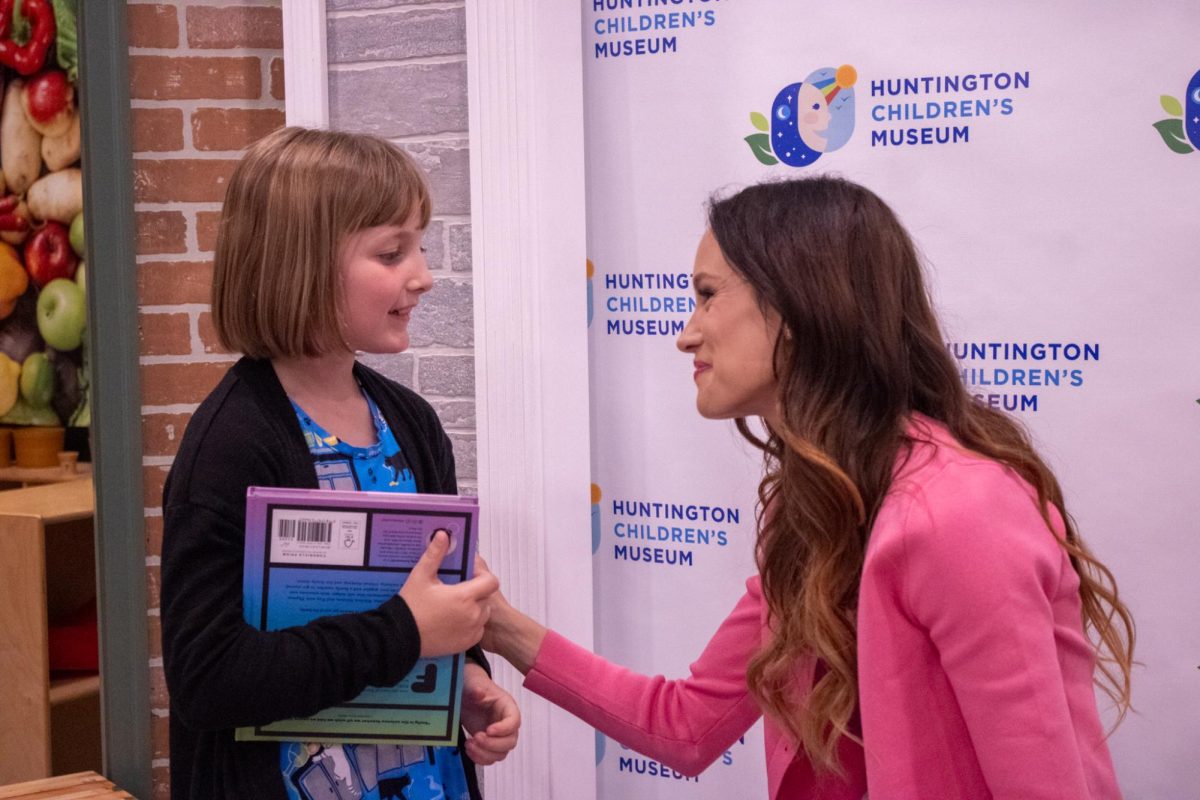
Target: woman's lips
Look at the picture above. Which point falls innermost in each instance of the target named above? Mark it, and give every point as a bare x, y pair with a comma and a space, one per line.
699, 367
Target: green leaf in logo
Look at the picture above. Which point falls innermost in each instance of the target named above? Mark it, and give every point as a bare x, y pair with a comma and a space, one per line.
1171, 105
760, 145
760, 122
1171, 130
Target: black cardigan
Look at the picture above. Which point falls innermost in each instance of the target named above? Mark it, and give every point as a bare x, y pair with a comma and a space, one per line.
221, 672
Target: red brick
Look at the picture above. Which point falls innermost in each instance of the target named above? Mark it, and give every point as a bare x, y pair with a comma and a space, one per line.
207, 225
165, 334
160, 778
168, 384
152, 26
161, 433
161, 232
185, 180
153, 586
152, 483
157, 130
161, 730
168, 283
195, 77
160, 699
154, 623
233, 128
208, 334
277, 85
227, 27
154, 530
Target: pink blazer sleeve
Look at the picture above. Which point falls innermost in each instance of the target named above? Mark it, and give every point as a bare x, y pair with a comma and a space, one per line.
686, 723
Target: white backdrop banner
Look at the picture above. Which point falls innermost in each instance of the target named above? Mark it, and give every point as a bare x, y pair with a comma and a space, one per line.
1045, 157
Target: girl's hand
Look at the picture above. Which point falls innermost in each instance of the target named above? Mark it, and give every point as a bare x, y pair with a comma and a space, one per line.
450, 618
490, 716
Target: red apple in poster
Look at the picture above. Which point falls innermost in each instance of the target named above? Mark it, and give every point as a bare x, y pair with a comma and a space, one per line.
49, 101
48, 254
62, 314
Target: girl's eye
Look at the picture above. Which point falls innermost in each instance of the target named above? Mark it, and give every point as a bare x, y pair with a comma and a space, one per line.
391, 257
816, 106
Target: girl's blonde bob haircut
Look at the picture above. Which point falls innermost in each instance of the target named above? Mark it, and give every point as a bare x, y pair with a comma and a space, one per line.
291, 204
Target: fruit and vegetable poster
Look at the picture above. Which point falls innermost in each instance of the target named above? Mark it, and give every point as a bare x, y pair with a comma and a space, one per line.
1045, 158
43, 308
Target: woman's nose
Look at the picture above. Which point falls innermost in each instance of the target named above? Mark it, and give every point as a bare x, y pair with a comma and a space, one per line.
689, 340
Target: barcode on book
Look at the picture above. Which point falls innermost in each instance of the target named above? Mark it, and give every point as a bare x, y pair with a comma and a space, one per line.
306, 530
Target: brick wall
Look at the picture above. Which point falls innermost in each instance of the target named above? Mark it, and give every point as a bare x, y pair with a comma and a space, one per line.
399, 70
206, 80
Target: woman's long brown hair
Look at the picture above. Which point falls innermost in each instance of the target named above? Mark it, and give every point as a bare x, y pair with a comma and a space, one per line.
860, 350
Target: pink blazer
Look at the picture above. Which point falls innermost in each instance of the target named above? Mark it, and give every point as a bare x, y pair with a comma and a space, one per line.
975, 678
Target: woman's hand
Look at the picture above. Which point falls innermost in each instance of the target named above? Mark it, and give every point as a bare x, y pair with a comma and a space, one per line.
490, 716
509, 633
450, 618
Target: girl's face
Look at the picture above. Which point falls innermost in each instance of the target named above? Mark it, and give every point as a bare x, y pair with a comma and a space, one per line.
731, 340
384, 274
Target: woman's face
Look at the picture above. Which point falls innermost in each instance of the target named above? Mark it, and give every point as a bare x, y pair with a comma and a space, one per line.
731, 341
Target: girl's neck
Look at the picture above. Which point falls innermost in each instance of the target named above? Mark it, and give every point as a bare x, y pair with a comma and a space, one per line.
327, 378
324, 386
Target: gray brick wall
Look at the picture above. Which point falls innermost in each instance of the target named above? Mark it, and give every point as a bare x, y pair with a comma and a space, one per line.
399, 69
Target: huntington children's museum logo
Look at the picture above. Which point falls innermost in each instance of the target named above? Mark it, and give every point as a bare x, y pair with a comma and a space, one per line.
807, 119
1183, 126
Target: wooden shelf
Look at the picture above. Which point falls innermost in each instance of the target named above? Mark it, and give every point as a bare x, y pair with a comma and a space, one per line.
47, 572
38, 475
76, 687
52, 503
79, 785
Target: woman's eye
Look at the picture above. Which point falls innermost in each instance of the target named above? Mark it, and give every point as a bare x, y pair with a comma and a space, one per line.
704, 294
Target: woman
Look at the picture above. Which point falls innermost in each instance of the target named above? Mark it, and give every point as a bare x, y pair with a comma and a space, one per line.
919, 624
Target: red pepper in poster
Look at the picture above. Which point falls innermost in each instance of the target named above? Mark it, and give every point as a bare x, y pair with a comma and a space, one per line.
27, 58
14, 219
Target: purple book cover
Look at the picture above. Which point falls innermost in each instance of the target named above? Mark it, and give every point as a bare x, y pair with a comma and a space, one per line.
315, 552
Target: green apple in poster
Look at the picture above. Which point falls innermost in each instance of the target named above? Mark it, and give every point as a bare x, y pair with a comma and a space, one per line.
77, 235
37, 380
62, 314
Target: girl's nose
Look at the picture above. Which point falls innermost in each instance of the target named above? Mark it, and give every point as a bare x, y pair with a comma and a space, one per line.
421, 280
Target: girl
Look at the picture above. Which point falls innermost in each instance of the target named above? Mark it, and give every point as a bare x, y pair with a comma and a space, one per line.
318, 257
918, 627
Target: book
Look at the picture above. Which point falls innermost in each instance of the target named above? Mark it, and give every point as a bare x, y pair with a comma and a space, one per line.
312, 553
